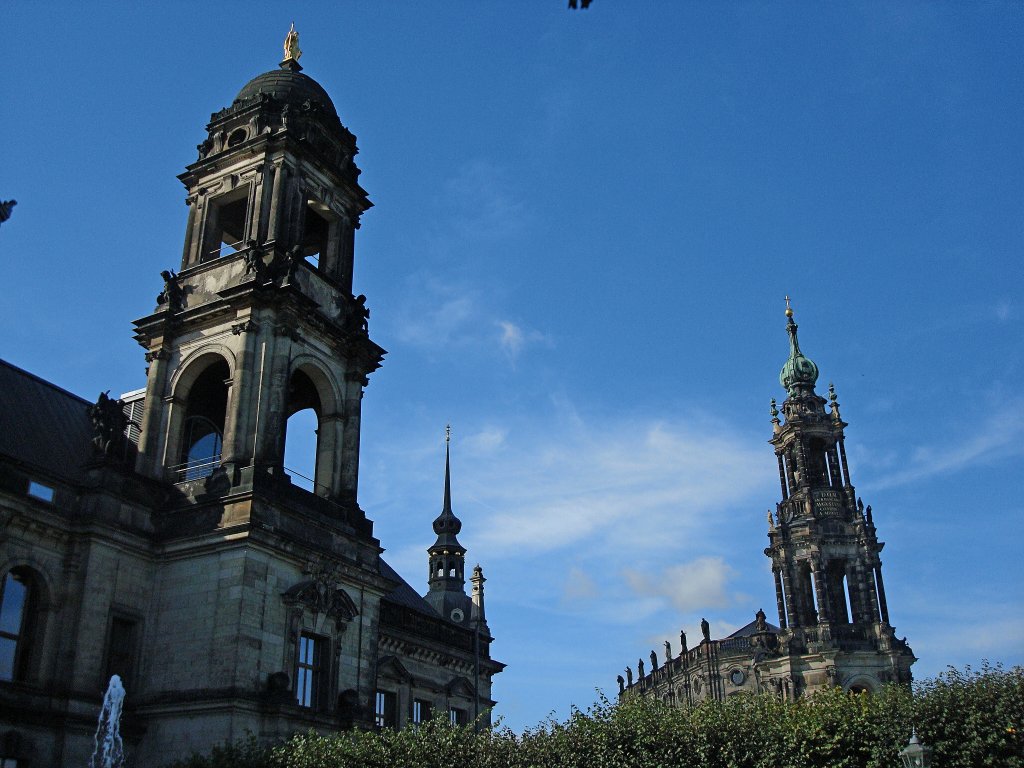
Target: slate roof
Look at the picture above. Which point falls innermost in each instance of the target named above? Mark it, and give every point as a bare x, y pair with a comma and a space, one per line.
42, 425
404, 594
751, 629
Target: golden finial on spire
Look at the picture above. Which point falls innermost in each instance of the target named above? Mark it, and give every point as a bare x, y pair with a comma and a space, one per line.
291, 45
789, 309
447, 433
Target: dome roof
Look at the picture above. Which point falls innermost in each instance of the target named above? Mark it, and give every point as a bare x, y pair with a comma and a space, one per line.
798, 371
290, 86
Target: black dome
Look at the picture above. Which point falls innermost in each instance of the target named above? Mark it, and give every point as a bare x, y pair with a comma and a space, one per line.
288, 86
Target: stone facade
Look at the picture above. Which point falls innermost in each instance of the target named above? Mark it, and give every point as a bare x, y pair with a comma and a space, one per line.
834, 625
161, 538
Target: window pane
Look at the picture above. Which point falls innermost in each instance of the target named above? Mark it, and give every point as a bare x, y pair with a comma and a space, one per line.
13, 606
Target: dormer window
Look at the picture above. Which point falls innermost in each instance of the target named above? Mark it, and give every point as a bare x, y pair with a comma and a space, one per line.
237, 137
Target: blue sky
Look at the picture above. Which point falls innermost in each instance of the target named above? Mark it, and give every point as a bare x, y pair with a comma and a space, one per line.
584, 226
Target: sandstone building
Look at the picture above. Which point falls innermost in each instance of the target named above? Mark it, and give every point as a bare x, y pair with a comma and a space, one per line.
161, 538
833, 620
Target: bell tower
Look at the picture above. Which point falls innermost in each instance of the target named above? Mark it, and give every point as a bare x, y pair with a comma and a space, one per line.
823, 543
260, 321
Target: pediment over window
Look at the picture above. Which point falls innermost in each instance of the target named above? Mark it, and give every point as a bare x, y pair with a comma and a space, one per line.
321, 597
392, 668
460, 686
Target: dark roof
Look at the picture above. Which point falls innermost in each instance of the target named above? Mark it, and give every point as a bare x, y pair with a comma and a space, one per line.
42, 425
404, 594
288, 86
751, 629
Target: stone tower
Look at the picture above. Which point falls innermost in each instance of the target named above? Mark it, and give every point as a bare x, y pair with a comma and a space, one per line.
447, 558
260, 322
823, 543
833, 621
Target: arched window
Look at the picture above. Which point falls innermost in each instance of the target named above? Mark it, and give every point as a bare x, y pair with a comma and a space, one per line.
17, 605
302, 433
203, 430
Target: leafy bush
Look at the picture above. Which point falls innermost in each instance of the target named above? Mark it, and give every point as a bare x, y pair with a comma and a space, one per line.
970, 718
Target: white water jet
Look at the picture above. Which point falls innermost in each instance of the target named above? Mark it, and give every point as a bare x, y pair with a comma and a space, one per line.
109, 750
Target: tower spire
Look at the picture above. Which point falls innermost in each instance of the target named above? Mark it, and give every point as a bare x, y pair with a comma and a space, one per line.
799, 373
447, 557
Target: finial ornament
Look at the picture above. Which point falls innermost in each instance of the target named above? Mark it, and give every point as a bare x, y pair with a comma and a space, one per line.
447, 433
291, 45
789, 309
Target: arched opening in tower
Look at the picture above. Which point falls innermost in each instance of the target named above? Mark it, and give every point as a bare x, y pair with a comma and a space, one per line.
302, 433
203, 429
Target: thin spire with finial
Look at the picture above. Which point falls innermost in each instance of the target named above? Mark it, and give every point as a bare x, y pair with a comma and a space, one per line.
447, 470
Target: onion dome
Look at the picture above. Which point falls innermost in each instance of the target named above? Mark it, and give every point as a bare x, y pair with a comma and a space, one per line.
799, 372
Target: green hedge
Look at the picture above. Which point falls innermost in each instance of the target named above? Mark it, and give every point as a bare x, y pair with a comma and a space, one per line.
970, 718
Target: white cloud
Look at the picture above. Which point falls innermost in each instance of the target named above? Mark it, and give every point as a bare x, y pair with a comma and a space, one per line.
698, 584
619, 487
999, 436
511, 338
579, 586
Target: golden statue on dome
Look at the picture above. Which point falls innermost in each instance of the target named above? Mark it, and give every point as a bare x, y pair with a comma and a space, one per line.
291, 45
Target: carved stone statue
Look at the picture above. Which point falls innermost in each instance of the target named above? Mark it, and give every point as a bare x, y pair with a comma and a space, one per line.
629, 675
654, 662
705, 629
668, 652
172, 294
108, 423
357, 319
291, 45
682, 642
640, 669
253, 258
622, 683
762, 620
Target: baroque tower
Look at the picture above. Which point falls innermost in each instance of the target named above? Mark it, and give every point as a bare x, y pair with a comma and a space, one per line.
833, 620
824, 546
260, 322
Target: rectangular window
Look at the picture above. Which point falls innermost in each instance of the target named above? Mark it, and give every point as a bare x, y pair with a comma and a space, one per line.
457, 716
420, 711
40, 491
386, 710
8, 762
309, 670
121, 645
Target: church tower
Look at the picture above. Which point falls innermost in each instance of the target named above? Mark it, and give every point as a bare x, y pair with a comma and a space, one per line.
823, 543
447, 559
260, 321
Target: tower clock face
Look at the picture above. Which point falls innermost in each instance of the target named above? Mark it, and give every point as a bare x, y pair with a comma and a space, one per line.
457, 615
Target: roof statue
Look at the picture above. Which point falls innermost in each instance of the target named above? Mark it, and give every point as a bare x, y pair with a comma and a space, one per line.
291, 45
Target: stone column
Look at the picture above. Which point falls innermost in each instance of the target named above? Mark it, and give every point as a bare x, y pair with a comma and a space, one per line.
238, 443
779, 598
842, 459
872, 595
782, 476
273, 226
792, 601
881, 593
820, 594
149, 459
350, 440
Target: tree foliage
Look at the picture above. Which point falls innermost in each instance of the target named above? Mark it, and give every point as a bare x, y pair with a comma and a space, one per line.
970, 718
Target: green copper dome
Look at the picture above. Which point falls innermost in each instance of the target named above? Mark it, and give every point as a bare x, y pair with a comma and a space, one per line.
799, 372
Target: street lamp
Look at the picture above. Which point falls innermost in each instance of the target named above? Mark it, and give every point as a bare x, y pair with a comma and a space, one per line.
916, 754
